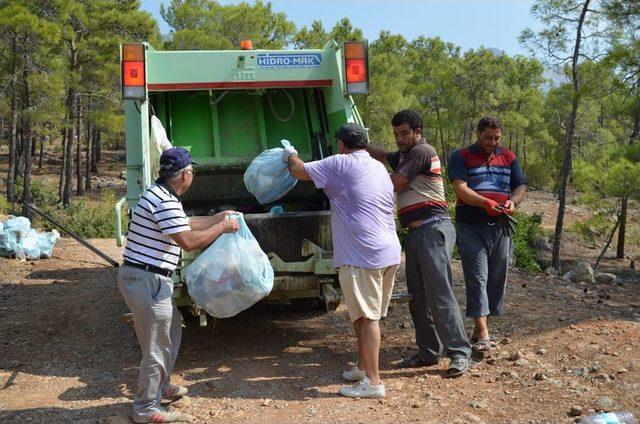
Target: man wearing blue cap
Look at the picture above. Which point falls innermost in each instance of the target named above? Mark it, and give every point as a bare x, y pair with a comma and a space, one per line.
159, 228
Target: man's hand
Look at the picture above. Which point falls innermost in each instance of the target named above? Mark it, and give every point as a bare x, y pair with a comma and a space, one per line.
491, 206
509, 207
222, 215
288, 151
230, 226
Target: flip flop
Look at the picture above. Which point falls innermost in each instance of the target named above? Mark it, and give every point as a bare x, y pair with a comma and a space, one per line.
481, 345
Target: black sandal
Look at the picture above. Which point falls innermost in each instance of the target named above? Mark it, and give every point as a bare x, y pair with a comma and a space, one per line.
415, 362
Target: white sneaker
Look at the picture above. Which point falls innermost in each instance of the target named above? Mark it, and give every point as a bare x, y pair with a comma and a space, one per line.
354, 374
363, 389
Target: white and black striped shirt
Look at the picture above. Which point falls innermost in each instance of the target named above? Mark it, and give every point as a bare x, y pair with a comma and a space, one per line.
158, 214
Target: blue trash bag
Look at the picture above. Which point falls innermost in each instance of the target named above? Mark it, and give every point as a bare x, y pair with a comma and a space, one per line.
230, 275
46, 241
15, 231
268, 177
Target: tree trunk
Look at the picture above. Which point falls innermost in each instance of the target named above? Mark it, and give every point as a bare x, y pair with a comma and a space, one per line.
98, 149
79, 179
566, 164
42, 138
635, 133
68, 152
27, 139
606, 246
64, 159
89, 154
13, 128
94, 150
19, 164
72, 95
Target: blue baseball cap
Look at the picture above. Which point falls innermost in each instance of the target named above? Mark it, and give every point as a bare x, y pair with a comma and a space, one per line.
174, 159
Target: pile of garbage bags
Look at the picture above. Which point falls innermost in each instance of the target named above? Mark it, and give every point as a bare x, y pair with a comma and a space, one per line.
268, 177
230, 275
17, 238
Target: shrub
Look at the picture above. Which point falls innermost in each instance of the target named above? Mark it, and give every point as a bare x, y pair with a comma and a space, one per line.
527, 230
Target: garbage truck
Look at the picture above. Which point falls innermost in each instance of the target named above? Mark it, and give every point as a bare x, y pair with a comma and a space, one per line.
226, 107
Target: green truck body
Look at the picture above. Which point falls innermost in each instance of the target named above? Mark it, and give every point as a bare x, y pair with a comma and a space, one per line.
226, 107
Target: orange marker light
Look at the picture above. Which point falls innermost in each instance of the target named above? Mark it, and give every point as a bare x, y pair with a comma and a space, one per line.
246, 45
133, 52
356, 67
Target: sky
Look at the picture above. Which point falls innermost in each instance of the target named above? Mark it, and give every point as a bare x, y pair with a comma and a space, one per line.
466, 23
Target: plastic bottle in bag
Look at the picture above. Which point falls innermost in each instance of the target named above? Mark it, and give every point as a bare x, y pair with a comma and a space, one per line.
622, 417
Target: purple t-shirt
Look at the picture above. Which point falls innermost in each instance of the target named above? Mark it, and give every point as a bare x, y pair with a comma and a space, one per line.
361, 195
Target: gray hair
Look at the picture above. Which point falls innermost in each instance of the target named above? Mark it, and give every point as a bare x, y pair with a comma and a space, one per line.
176, 174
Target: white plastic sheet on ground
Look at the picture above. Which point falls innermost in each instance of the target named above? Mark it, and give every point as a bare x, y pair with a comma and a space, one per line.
159, 135
17, 238
268, 177
230, 275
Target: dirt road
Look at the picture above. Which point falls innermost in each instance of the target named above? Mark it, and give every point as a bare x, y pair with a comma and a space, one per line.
67, 357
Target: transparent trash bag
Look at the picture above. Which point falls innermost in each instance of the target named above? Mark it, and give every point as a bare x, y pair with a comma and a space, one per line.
230, 275
159, 135
17, 238
268, 177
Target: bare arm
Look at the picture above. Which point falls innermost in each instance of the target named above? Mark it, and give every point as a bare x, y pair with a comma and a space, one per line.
517, 196
203, 222
296, 167
468, 196
400, 182
197, 239
378, 153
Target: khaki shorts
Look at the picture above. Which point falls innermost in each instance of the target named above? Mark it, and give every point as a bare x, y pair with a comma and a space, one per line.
367, 291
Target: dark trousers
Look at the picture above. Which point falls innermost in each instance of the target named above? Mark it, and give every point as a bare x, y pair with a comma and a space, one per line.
434, 309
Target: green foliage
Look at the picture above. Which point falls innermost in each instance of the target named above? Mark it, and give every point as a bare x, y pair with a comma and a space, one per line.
86, 220
592, 229
527, 231
208, 25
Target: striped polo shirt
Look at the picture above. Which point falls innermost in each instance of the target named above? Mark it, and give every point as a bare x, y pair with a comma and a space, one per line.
158, 214
494, 178
424, 196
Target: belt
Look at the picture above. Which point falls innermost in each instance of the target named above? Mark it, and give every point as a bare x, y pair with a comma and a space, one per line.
151, 268
417, 224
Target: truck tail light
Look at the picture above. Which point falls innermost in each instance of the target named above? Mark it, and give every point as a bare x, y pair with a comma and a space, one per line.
133, 72
356, 64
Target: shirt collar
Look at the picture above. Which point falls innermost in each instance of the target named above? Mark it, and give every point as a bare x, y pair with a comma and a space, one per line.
162, 182
474, 149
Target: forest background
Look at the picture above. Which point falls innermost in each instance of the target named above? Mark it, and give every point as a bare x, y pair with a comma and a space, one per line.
571, 108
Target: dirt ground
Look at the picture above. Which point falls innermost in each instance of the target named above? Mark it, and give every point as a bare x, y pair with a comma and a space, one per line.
66, 356
563, 349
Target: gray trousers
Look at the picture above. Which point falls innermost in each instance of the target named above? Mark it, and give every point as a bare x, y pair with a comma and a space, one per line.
484, 252
158, 325
434, 309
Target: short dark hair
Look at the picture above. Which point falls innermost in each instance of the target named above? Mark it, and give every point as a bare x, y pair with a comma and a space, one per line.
352, 135
489, 122
407, 116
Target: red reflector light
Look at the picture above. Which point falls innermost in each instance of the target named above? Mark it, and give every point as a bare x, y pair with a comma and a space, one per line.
356, 70
134, 80
356, 67
133, 73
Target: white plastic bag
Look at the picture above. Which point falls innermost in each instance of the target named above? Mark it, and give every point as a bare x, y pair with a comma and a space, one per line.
268, 177
230, 275
159, 135
17, 238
